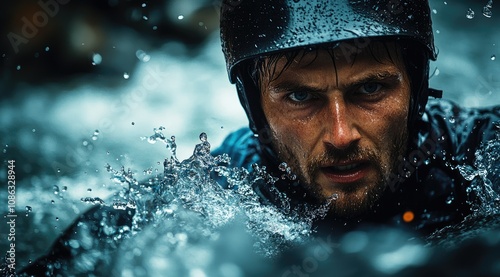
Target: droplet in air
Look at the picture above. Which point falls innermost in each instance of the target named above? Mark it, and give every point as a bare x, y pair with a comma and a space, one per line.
203, 137
28, 210
96, 59
142, 56
470, 14
487, 9
95, 136
126, 76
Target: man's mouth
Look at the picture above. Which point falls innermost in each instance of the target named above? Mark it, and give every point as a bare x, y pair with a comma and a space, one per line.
346, 172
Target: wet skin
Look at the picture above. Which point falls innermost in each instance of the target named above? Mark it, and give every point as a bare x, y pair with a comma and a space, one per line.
340, 122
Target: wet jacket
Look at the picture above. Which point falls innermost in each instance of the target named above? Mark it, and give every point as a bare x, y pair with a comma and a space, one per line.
435, 191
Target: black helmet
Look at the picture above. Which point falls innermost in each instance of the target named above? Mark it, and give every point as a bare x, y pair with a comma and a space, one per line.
256, 28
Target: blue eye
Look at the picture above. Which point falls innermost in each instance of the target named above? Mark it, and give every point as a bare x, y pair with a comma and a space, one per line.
299, 96
369, 88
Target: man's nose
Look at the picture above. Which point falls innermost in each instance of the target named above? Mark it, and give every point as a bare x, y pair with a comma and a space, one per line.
342, 130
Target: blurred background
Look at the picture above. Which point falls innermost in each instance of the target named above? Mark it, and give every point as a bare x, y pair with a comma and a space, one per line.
82, 81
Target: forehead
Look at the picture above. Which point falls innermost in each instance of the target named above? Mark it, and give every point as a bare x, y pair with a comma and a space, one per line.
346, 54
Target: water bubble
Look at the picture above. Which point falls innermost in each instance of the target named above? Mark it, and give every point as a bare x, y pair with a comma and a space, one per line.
126, 76
470, 14
143, 5
18, 67
47, 49
180, 17
493, 57
95, 136
96, 59
434, 11
145, 17
28, 210
142, 56
487, 9
450, 199
451, 119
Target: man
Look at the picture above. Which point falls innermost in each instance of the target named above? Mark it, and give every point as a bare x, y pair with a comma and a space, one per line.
338, 90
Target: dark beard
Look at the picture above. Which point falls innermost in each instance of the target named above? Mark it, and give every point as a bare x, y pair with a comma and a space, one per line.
346, 209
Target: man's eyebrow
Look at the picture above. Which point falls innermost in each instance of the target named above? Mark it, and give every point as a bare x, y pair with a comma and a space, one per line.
291, 86
374, 77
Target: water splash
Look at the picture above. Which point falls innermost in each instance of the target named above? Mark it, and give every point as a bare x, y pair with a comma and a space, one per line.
189, 206
485, 177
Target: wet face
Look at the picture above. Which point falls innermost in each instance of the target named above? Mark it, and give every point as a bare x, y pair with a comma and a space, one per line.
340, 122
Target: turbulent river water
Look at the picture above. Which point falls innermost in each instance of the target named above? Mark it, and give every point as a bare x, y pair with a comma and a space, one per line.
85, 143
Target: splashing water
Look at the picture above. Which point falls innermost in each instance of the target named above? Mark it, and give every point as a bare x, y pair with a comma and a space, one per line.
485, 177
185, 211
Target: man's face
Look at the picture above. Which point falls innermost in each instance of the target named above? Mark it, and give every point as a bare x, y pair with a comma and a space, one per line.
340, 121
